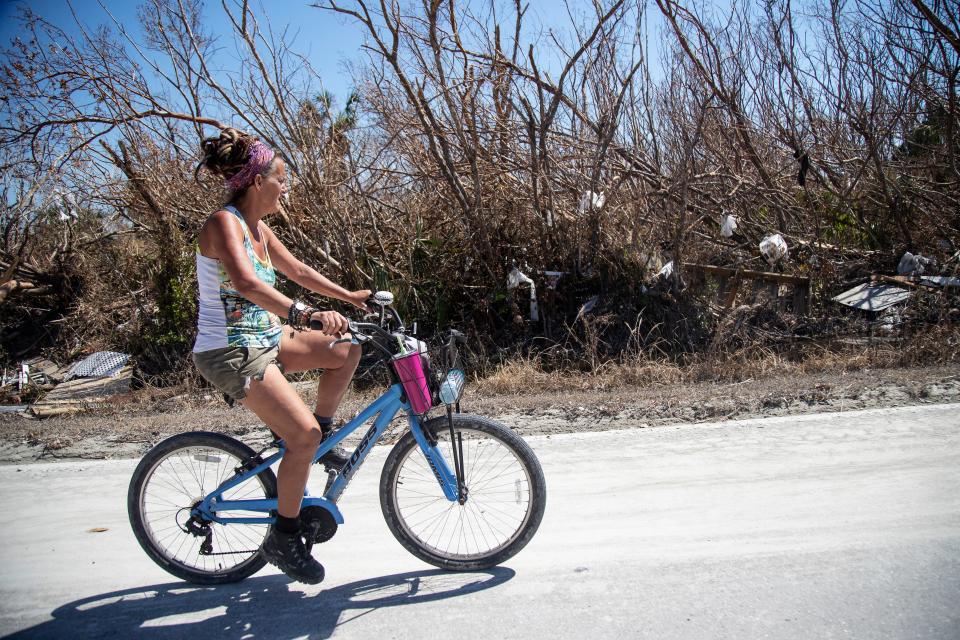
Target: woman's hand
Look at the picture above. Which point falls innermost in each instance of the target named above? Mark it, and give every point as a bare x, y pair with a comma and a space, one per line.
333, 323
359, 298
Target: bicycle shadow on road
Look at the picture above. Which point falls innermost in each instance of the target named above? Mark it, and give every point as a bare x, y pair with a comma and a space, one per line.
262, 607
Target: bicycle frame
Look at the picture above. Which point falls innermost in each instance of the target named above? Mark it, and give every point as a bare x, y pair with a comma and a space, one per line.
382, 411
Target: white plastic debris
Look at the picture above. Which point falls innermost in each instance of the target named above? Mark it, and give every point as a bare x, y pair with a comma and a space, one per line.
774, 248
68, 208
23, 376
890, 320
516, 278
728, 224
941, 281
666, 271
549, 218
914, 265
587, 307
413, 345
591, 201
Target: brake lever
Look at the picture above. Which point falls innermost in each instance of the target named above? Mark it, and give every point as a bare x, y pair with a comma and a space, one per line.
353, 339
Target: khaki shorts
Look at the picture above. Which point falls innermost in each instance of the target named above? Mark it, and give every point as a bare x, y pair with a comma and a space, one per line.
231, 369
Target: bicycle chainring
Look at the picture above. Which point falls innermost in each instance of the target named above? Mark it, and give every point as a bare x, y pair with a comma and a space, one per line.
317, 524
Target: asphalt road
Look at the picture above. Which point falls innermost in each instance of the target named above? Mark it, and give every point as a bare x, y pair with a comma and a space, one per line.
823, 526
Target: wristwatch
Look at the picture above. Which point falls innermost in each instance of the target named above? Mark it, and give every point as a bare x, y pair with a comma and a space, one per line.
295, 316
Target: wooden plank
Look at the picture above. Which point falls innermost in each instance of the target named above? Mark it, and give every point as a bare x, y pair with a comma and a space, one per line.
902, 281
80, 390
748, 274
46, 411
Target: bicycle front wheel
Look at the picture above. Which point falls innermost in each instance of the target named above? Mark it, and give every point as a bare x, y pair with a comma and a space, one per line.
506, 496
171, 479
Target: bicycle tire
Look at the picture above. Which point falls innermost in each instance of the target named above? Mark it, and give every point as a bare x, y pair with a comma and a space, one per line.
174, 475
498, 465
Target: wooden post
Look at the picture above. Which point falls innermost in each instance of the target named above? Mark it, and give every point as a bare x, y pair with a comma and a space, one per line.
730, 280
732, 293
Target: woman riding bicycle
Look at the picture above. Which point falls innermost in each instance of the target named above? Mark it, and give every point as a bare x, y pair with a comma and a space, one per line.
243, 349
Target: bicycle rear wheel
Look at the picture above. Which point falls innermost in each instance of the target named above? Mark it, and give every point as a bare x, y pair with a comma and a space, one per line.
174, 476
505, 501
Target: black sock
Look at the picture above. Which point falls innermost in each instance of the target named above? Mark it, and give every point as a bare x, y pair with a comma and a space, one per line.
325, 423
287, 525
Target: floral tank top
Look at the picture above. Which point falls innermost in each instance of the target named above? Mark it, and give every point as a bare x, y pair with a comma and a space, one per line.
226, 318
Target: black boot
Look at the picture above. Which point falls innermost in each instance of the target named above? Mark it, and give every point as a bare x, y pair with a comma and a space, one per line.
287, 552
337, 457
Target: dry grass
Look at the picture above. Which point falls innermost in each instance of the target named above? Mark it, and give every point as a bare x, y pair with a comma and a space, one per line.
528, 376
938, 345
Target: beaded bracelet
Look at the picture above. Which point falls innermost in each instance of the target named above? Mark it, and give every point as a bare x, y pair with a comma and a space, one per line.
299, 314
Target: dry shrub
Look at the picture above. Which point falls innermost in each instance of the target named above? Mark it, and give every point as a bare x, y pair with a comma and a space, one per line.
939, 344
436, 199
749, 325
523, 375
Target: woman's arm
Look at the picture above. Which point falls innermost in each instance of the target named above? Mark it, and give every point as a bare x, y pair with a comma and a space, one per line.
222, 239
307, 277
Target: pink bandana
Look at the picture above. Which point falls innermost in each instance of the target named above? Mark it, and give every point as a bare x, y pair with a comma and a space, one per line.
259, 159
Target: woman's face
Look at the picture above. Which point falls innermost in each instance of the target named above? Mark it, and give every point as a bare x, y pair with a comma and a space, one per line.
274, 185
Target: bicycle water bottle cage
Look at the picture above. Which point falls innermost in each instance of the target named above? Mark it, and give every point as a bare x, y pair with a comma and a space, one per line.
249, 464
257, 458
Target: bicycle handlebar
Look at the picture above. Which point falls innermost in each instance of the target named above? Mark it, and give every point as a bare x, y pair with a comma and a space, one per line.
358, 329
366, 331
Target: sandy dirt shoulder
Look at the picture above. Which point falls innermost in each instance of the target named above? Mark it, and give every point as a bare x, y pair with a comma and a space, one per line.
127, 426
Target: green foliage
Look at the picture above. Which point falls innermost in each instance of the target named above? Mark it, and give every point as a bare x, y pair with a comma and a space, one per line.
170, 332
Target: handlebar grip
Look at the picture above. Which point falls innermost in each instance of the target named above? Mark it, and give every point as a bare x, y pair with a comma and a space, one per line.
316, 325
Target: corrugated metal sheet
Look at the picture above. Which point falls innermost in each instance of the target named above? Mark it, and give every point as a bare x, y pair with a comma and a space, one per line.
873, 297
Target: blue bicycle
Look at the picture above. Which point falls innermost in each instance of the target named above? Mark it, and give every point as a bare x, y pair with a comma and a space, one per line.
461, 492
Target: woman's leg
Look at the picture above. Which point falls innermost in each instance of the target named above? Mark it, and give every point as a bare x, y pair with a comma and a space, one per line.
280, 407
277, 403
307, 350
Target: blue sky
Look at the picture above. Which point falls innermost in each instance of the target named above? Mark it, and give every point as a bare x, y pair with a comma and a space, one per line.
330, 41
